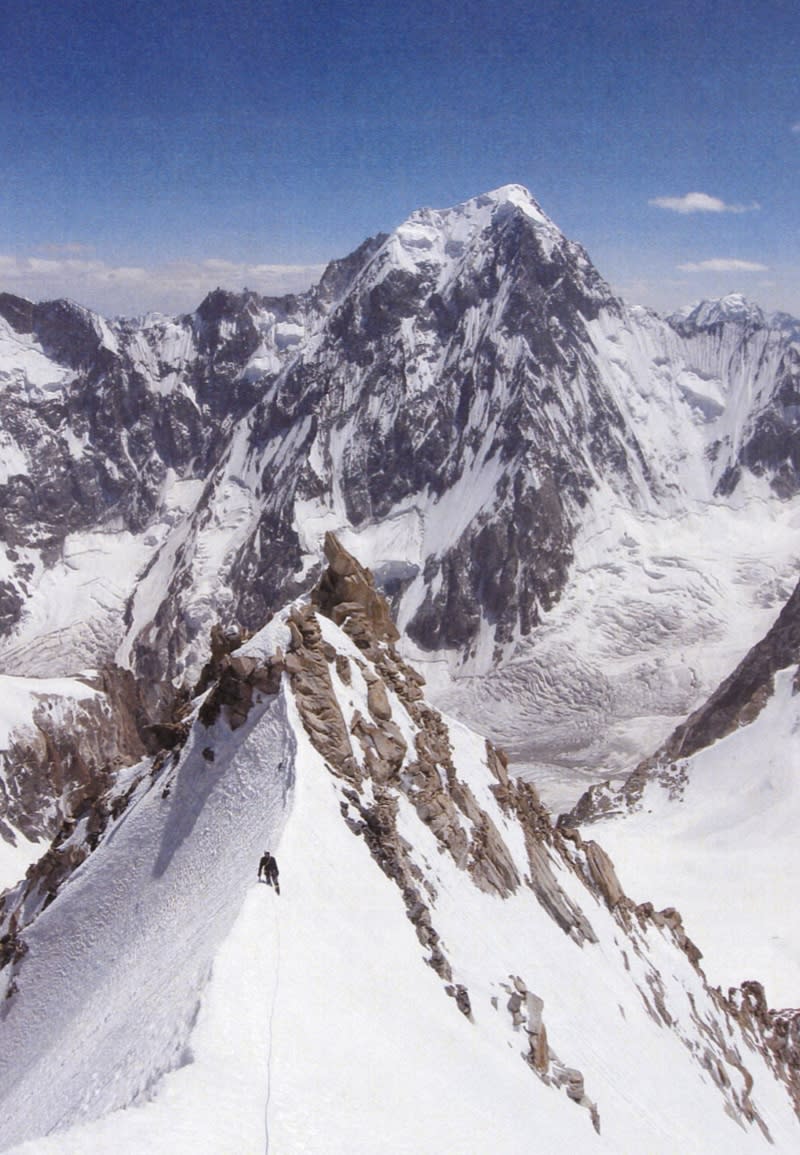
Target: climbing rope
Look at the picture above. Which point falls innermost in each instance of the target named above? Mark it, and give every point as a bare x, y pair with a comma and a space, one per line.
271, 1018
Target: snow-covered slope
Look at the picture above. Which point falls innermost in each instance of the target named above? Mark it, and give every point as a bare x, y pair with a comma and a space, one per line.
710, 821
719, 840
163, 1001
513, 451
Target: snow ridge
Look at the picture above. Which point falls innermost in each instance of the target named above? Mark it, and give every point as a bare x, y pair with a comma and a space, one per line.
550, 1006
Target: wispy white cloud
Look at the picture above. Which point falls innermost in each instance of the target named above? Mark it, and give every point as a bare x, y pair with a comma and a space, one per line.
795, 127
698, 202
723, 265
175, 287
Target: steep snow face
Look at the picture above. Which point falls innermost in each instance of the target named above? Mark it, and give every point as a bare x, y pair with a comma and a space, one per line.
549, 1005
717, 837
711, 815
105, 999
691, 399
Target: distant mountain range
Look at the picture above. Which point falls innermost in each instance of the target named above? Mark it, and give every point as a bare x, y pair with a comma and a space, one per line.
519, 456
251, 558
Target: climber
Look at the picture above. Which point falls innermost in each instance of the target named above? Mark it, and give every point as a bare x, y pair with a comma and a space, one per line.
269, 868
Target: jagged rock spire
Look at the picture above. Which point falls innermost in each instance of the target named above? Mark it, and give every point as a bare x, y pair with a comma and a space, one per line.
346, 593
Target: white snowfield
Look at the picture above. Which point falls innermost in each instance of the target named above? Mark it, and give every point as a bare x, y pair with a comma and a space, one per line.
170, 1004
722, 846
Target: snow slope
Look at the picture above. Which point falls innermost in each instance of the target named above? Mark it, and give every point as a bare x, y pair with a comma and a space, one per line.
109, 989
167, 1002
719, 840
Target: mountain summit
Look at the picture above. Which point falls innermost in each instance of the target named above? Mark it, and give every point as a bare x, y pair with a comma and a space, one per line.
468, 406
555, 517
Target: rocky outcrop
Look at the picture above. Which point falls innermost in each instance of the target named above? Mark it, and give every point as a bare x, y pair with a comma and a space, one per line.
231, 680
346, 594
526, 1010
776, 1032
66, 755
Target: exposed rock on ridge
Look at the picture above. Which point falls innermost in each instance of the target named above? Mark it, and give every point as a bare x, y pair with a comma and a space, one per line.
376, 781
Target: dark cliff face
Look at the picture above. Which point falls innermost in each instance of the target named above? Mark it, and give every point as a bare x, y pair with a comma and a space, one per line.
740, 698
64, 756
773, 448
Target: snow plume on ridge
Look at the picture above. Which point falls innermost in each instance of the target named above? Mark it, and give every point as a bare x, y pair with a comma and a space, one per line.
443, 969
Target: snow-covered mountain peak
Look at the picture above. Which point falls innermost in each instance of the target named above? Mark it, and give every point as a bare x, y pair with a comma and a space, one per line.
445, 239
462, 401
481, 208
734, 308
486, 205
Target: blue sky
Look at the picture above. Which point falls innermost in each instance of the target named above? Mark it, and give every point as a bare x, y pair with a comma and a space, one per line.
151, 151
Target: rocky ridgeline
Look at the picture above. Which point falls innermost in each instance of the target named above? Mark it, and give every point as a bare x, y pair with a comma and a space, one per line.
374, 768
399, 753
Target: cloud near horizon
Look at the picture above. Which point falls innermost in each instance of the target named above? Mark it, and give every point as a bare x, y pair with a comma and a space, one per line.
129, 289
723, 265
698, 202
